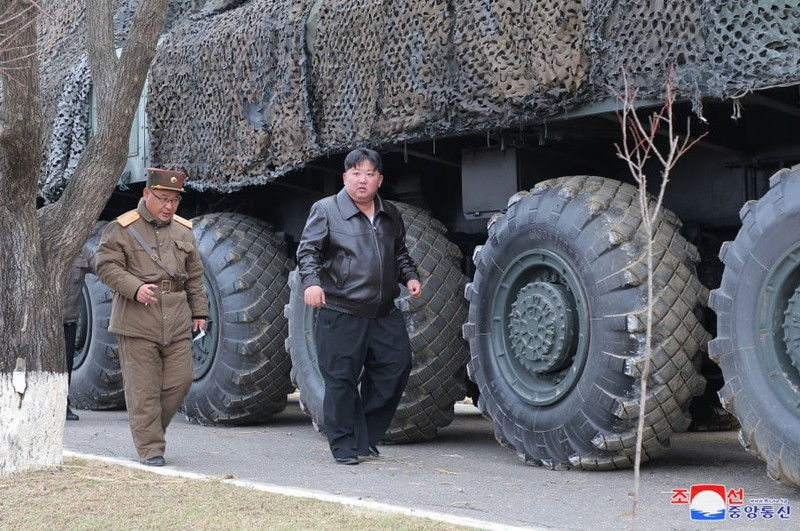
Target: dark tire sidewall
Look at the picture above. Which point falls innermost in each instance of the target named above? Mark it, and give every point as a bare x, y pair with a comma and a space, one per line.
496, 393
245, 377
760, 275
576, 245
302, 347
96, 381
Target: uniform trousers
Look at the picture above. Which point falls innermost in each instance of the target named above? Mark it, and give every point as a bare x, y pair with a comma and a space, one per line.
156, 379
70, 333
356, 418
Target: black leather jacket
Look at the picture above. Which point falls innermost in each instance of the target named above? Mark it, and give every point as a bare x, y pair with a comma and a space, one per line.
358, 265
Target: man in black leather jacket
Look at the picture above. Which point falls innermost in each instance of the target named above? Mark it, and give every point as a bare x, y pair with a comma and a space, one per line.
352, 257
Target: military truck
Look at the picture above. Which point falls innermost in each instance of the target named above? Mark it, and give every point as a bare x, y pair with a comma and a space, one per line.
498, 124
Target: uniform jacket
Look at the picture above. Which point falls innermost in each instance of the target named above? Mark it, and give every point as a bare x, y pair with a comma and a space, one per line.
83, 263
358, 264
123, 265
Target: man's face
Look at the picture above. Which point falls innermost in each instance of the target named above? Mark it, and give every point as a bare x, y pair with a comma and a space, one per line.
362, 182
162, 204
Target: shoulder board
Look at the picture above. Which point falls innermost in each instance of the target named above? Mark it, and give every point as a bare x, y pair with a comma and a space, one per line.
127, 218
183, 221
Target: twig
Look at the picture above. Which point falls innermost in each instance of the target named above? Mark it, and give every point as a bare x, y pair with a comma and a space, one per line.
638, 146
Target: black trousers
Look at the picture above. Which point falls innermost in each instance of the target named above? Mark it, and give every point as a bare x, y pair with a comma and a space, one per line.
356, 416
70, 331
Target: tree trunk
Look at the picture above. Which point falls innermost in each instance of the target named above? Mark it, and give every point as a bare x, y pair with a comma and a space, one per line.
38, 246
32, 379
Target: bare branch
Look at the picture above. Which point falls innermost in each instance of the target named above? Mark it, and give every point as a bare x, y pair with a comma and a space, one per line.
10, 18
639, 146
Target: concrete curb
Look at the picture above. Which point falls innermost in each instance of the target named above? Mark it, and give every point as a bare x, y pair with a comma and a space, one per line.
304, 493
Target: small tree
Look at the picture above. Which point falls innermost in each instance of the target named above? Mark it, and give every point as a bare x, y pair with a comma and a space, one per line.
40, 244
639, 146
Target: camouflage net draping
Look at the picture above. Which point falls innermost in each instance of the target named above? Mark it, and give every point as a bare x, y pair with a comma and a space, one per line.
284, 82
66, 82
242, 92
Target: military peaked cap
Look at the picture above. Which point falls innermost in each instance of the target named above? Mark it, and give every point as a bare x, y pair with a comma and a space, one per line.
165, 179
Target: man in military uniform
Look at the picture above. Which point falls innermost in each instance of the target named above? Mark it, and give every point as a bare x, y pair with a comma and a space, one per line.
149, 258
81, 266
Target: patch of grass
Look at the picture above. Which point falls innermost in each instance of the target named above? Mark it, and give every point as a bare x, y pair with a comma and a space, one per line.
85, 495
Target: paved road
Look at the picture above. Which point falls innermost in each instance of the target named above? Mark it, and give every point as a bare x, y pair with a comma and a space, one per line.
462, 472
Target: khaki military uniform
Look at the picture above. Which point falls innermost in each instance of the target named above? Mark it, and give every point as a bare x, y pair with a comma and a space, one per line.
154, 340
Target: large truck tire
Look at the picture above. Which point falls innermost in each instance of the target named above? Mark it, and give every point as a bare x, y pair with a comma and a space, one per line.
758, 326
557, 326
438, 373
707, 411
241, 367
96, 381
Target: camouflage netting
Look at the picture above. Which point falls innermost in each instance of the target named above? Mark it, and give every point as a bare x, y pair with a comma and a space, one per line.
752, 44
66, 82
69, 132
721, 48
272, 96
633, 30
431, 71
243, 115
242, 92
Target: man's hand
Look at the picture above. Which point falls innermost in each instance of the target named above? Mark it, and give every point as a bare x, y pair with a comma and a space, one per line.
314, 296
414, 288
146, 294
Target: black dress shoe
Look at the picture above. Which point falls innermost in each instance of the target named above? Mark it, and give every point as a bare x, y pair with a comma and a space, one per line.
347, 460
71, 415
373, 451
154, 461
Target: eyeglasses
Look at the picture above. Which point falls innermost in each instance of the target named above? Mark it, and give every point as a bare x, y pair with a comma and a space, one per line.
165, 201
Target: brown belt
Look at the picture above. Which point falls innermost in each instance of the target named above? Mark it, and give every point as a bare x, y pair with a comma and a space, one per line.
170, 286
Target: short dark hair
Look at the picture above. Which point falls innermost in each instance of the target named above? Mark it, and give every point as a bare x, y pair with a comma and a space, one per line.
359, 155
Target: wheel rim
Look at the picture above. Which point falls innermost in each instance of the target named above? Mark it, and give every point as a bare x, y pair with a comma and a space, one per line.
83, 332
539, 327
203, 350
778, 328
791, 329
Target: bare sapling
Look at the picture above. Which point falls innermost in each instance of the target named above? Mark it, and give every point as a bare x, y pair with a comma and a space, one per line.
642, 144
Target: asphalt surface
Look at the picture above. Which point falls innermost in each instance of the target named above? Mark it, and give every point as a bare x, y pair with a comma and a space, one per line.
462, 475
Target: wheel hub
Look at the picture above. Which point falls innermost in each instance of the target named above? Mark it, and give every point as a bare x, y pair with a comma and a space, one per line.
541, 327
